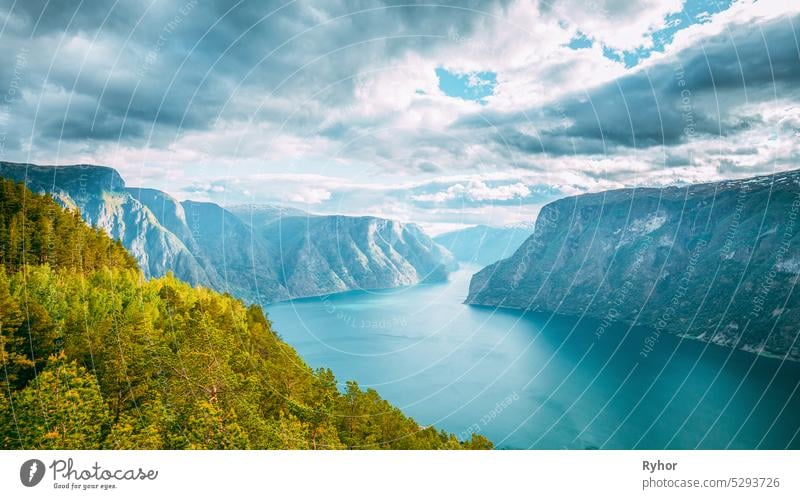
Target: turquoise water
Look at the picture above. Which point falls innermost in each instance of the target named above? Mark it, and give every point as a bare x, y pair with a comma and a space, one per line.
537, 381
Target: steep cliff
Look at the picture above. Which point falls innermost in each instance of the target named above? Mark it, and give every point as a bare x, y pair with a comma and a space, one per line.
717, 262
328, 254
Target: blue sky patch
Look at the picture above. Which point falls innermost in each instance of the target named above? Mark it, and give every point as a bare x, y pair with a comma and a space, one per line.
693, 12
580, 41
476, 85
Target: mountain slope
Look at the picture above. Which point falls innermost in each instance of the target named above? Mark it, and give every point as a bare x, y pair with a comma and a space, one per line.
716, 262
484, 244
328, 254
248, 266
235, 261
99, 193
93, 356
263, 260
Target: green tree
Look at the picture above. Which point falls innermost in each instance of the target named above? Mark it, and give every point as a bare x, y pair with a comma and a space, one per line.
62, 408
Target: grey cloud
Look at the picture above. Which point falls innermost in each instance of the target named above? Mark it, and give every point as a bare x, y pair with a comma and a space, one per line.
728, 166
510, 140
188, 63
47, 16
672, 159
243, 64
697, 93
428, 167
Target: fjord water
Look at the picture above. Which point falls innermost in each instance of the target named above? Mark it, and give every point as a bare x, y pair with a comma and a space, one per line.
542, 381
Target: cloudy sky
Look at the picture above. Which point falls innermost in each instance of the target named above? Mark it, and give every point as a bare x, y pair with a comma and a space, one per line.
449, 114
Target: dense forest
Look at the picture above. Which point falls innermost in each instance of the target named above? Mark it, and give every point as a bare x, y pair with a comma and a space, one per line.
94, 356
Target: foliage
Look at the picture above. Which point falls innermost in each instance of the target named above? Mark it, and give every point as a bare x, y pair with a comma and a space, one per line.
62, 408
94, 356
34, 230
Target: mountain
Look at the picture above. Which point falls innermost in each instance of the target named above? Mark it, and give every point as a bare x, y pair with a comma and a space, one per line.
99, 193
717, 262
260, 254
327, 254
94, 356
224, 245
484, 244
262, 214
323, 254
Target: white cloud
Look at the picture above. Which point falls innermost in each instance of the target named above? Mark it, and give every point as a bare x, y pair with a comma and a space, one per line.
476, 191
620, 24
309, 196
741, 12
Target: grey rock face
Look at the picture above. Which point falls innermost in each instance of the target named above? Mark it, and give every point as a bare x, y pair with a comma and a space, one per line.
327, 254
717, 262
247, 266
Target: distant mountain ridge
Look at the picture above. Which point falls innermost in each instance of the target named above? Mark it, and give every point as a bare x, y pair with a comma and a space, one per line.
205, 244
221, 243
320, 253
259, 214
718, 262
484, 244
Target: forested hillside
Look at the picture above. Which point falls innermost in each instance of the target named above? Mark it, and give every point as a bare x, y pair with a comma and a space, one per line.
94, 356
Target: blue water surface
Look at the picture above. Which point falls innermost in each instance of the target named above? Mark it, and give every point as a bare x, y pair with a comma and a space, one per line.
540, 381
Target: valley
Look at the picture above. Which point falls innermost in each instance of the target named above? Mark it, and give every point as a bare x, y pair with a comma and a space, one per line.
583, 336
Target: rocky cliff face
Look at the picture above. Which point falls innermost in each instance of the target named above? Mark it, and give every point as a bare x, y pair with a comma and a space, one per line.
717, 262
248, 266
327, 254
276, 254
236, 262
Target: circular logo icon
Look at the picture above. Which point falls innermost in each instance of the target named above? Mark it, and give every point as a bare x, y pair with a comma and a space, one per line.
31, 472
